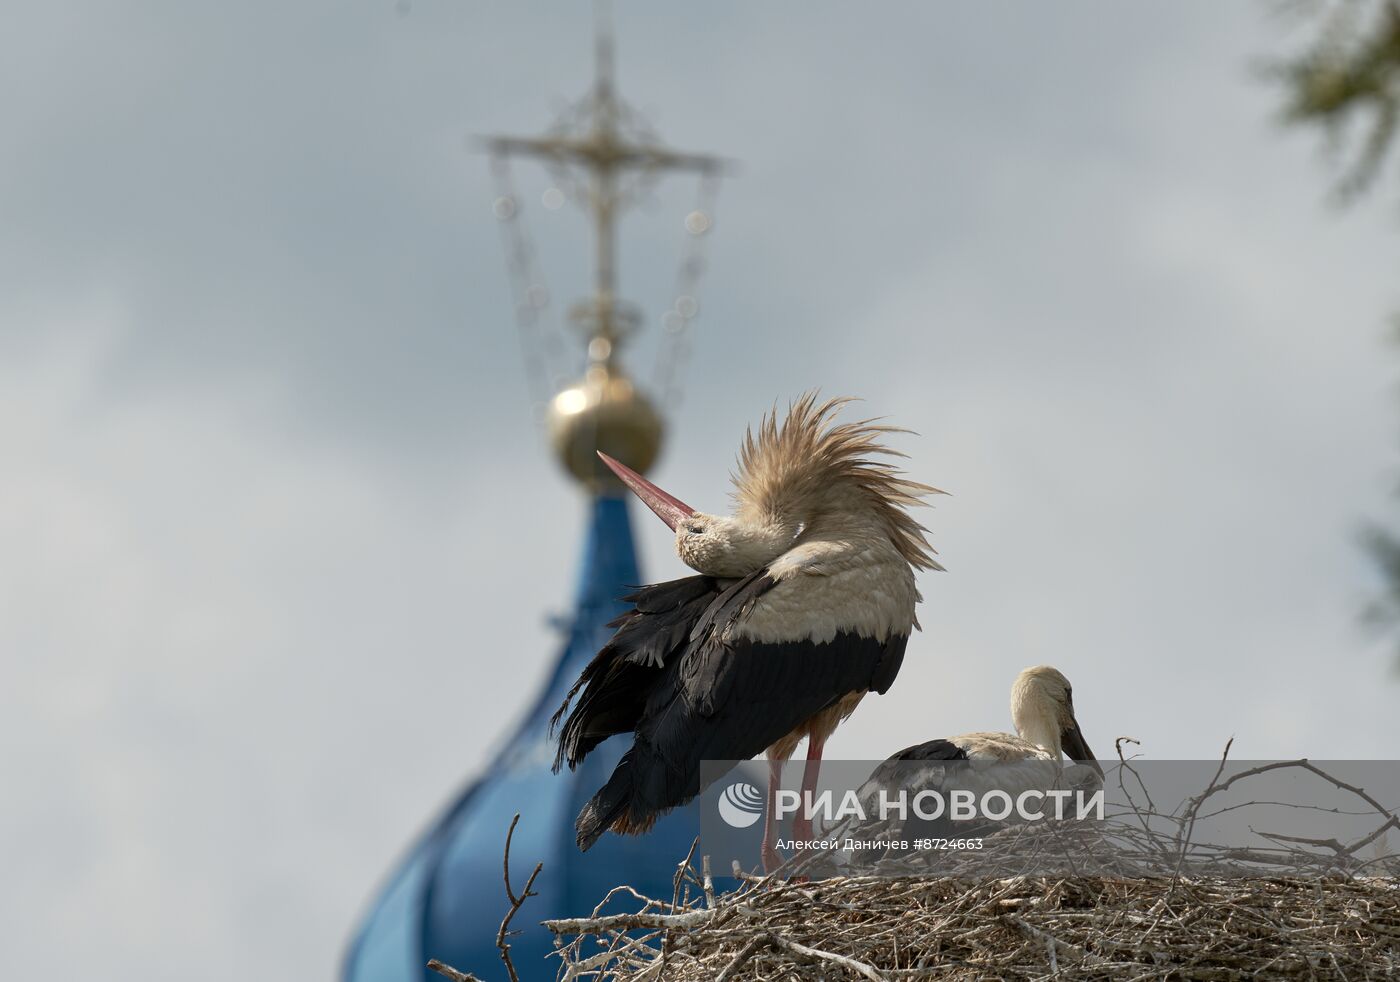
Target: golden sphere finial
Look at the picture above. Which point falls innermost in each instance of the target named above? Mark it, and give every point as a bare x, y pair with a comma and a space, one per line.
603, 412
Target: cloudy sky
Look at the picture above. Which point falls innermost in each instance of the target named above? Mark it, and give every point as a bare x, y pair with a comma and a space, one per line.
278, 534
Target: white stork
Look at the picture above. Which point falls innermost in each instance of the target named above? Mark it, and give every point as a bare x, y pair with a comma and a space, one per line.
804, 603
1042, 710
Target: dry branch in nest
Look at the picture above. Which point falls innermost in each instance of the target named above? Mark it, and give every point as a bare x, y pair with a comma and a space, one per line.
1022, 927
1148, 903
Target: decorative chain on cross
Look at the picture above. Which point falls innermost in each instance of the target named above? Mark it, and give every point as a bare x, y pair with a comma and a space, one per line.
541, 341
673, 350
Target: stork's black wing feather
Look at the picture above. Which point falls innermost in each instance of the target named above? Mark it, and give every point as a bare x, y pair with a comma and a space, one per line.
661, 618
616, 682
902, 771
728, 699
898, 765
931, 750
731, 604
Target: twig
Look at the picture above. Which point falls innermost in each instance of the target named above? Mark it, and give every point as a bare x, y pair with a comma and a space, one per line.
1341, 850
745, 953
628, 922
805, 953
450, 972
515, 902
1050, 941
682, 868
1193, 809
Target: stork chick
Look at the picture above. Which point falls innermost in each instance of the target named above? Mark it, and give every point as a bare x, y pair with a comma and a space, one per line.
804, 603
1042, 711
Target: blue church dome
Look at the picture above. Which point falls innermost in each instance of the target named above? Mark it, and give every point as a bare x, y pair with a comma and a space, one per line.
446, 898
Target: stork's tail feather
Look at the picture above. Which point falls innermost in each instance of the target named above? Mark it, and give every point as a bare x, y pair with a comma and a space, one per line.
616, 807
589, 826
606, 807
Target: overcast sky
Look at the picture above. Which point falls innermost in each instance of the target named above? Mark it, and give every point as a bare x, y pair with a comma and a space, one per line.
278, 533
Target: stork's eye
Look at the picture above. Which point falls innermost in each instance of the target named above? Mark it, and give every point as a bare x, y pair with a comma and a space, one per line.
694, 528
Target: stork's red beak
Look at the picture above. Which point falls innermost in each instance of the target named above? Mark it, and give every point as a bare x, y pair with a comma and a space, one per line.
670, 510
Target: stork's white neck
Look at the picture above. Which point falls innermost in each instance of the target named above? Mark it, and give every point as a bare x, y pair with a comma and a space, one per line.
1037, 719
1044, 736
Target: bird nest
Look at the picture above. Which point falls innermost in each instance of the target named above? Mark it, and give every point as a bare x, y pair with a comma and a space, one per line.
1283, 927
1135, 896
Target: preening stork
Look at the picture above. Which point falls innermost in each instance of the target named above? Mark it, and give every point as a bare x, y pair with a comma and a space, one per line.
803, 604
1042, 711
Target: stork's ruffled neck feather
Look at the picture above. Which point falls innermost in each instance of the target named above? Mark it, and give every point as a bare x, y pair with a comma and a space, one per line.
812, 467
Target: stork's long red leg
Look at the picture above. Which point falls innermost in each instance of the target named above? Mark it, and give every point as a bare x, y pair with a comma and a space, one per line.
772, 858
802, 825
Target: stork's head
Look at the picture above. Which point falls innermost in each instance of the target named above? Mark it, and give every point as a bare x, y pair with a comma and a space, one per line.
1042, 709
798, 480
717, 545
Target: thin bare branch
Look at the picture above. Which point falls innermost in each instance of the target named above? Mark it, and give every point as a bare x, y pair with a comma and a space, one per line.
450, 972
516, 902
